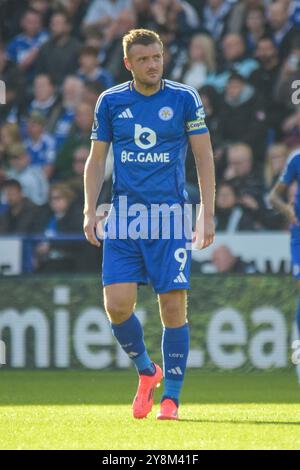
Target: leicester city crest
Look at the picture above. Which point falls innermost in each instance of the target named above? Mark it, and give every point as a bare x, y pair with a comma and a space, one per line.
166, 113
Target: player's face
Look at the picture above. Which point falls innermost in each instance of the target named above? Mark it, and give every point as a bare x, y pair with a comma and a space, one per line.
145, 63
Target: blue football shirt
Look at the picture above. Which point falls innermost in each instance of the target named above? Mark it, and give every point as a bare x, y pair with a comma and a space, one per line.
149, 135
290, 174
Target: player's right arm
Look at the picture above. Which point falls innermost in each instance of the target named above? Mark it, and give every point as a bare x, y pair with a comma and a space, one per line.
93, 181
276, 199
95, 166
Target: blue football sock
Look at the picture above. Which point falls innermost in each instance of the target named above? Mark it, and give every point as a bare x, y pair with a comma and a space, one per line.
130, 336
175, 349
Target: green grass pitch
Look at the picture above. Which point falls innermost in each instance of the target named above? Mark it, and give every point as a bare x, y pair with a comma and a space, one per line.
92, 410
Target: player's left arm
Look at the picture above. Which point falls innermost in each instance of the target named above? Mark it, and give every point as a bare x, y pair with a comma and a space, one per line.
203, 154
198, 134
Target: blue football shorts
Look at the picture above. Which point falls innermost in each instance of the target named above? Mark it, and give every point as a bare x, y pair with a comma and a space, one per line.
159, 256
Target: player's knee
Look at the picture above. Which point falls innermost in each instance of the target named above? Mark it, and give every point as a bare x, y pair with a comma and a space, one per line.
173, 315
174, 321
118, 311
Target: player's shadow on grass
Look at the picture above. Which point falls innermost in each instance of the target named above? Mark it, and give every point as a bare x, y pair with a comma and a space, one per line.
237, 421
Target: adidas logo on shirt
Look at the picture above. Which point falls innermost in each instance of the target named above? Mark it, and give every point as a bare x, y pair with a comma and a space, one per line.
126, 114
180, 278
176, 371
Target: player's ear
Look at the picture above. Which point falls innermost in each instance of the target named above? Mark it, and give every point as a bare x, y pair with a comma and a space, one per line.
127, 64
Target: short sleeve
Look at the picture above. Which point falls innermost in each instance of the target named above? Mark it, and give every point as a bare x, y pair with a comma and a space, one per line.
194, 113
290, 171
102, 124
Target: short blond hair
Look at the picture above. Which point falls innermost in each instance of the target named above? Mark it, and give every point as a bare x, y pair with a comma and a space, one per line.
145, 37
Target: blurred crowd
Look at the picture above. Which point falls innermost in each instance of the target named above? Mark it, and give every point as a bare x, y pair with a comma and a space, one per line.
57, 56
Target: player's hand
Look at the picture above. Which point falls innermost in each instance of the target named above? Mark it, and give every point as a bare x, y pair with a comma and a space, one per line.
89, 227
205, 230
